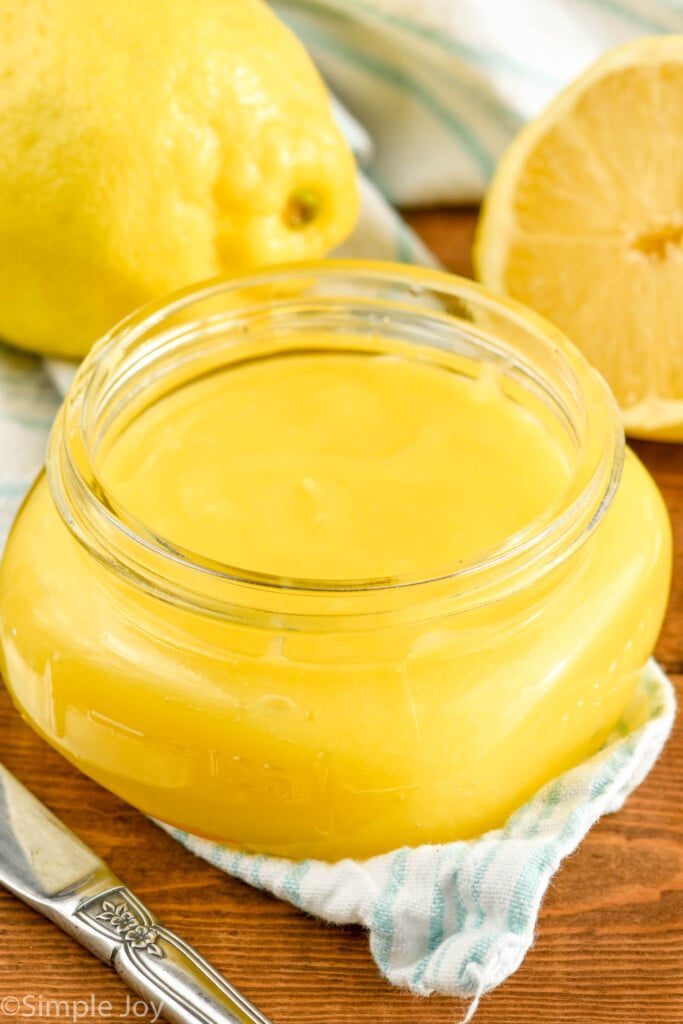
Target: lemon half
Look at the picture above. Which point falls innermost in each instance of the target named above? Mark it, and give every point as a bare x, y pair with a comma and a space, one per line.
584, 223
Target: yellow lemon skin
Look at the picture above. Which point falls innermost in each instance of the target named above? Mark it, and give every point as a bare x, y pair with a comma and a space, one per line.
144, 146
584, 223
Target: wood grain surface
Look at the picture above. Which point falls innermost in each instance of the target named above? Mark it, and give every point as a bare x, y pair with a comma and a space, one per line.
609, 945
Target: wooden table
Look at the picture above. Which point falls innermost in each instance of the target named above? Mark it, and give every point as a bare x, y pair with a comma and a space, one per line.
609, 944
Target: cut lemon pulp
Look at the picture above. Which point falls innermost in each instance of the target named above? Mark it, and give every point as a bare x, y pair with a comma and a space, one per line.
584, 223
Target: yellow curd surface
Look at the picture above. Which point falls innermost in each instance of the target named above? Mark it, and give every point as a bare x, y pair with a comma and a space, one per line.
334, 741
331, 466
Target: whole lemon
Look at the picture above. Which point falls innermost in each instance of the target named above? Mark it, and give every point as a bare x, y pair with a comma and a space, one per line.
146, 145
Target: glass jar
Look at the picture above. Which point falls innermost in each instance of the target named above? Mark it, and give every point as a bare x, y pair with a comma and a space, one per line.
332, 718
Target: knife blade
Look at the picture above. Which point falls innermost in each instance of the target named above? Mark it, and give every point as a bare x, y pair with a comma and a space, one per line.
47, 866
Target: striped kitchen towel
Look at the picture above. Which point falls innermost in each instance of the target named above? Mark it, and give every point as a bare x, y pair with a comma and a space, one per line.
432, 92
441, 86
458, 918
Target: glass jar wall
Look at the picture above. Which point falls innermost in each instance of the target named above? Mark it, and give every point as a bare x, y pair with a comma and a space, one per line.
352, 712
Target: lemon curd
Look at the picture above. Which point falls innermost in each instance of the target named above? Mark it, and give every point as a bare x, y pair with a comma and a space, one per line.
333, 560
336, 466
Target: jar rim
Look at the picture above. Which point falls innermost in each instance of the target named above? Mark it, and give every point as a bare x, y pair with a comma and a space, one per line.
133, 347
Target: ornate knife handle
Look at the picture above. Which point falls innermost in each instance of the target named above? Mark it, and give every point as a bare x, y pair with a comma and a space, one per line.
158, 965
47, 866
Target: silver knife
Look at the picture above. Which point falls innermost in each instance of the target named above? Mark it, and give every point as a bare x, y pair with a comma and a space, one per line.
47, 866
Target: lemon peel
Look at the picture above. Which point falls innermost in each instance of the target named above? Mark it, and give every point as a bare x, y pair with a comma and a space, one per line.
145, 146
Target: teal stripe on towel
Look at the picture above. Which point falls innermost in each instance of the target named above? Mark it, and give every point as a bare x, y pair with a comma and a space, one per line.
12, 490
489, 59
400, 80
477, 883
616, 763
675, 6
525, 893
460, 913
475, 956
405, 243
255, 870
30, 422
293, 882
550, 803
383, 919
620, 10
437, 914
236, 860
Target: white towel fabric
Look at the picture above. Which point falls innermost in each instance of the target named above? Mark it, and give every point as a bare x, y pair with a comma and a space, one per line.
441, 86
433, 92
